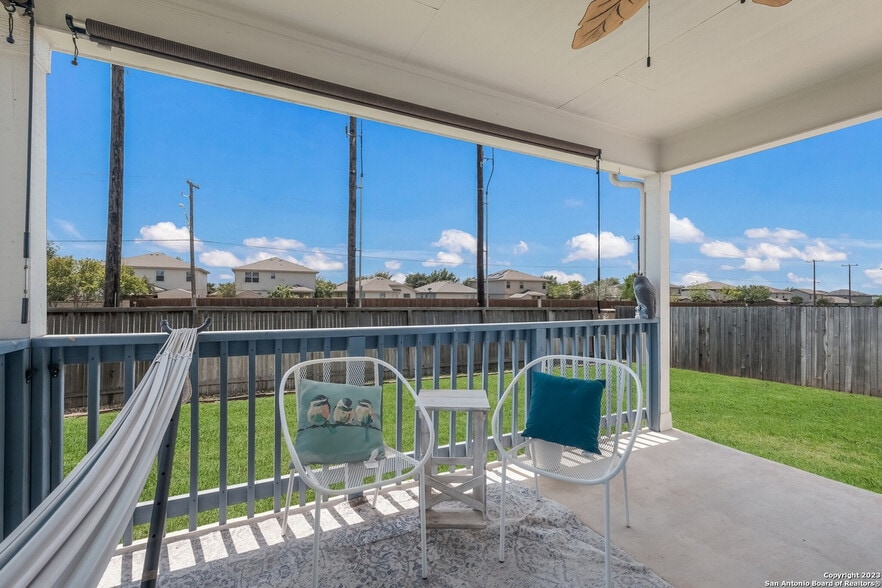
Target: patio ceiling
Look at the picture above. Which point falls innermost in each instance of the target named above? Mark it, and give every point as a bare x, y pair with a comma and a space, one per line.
727, 77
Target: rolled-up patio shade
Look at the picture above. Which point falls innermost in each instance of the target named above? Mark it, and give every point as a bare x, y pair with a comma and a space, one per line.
109, 34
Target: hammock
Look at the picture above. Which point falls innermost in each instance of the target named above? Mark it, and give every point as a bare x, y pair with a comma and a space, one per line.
71, 536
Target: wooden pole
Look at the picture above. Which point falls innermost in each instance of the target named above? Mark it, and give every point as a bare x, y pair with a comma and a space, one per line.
113, 252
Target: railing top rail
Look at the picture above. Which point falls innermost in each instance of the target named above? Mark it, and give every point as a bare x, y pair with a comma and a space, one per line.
51, 341
13, 345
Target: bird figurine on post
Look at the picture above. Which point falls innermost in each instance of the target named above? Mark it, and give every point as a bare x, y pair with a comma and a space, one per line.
644, 291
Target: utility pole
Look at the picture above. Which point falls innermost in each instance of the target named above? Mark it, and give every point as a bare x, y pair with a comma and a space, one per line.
113, 251
192, 250
482, 300
353, 201
814, 281
849, 266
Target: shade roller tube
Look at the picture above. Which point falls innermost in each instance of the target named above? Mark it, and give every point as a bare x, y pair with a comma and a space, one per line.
113, 35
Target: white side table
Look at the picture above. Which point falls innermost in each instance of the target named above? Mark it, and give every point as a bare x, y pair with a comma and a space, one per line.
466, 486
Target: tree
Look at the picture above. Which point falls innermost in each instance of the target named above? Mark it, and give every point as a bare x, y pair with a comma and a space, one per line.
699, 294
324, 288
418, 280
824, 301
82, 280
554, 289
281, 291
384, 275
610, 289
132, 285
226, 290
797, 300
751, 294
211, 288
627, 292
878, 301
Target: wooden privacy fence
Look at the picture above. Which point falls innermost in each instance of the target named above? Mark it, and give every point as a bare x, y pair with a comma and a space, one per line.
835, 348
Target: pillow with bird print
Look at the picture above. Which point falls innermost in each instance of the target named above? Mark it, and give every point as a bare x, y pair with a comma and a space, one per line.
565, 411
338, 423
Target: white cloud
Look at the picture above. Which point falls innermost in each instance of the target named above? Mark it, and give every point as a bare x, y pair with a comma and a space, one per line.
757, 264
217, 258
693, 278
275, 243
683, 231
584, 246
71, 229
393, 265
720, 249
821, 252
875, 275
399, 277
774, 251
563, 278
444, 258
794, 279
456, 241
320, 262
166, 234
521, 248
779, 235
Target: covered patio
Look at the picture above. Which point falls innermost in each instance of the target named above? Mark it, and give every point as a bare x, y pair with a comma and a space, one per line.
702, 514
727, 78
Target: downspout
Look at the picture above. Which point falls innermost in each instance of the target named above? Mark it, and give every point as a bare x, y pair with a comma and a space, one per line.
615, 181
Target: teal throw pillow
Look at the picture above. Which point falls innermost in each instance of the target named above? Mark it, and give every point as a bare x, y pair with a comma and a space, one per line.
338, 423
565, 411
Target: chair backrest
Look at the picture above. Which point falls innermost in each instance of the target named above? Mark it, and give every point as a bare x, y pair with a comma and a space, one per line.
621, 408
399, 410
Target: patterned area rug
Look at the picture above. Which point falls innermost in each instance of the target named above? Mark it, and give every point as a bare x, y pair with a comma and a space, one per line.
546, 545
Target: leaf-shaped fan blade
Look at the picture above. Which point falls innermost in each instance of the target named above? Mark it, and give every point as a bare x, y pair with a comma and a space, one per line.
603, 17
774, 3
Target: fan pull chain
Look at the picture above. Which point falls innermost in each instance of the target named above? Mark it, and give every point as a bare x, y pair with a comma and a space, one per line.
648, 30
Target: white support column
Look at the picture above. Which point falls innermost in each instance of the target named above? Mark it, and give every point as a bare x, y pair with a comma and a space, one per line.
656, 231
19, 282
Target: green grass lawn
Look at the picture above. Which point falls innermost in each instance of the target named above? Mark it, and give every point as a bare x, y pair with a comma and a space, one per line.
832, 434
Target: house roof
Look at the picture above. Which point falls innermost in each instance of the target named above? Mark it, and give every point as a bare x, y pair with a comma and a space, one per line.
844, 293
158, 260
375, 284
276, 264
446, 287
710, 286
510, 274
726, 77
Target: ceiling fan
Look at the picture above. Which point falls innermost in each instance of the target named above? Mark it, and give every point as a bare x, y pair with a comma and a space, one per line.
604, 16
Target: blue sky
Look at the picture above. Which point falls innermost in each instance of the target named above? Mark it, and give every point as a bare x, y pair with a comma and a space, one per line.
273, 181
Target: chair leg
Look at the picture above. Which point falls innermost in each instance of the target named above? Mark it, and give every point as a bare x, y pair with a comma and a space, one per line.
315, 540
502, 515
424, 556
288, 502
627, 505
606, 539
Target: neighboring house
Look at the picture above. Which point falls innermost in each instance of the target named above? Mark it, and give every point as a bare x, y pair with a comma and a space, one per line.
835, 300
447, 290
261, 277
514, 284
376, 288
169, 276
857, 298
716, 291
780, 296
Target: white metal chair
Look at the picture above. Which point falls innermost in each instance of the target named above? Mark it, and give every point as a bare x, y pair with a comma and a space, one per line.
341, 413
620, 420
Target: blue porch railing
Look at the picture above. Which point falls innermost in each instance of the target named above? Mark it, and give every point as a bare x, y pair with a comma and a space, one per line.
33, 377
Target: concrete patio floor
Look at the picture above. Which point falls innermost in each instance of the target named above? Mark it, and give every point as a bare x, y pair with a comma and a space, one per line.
701, 515
706, 515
